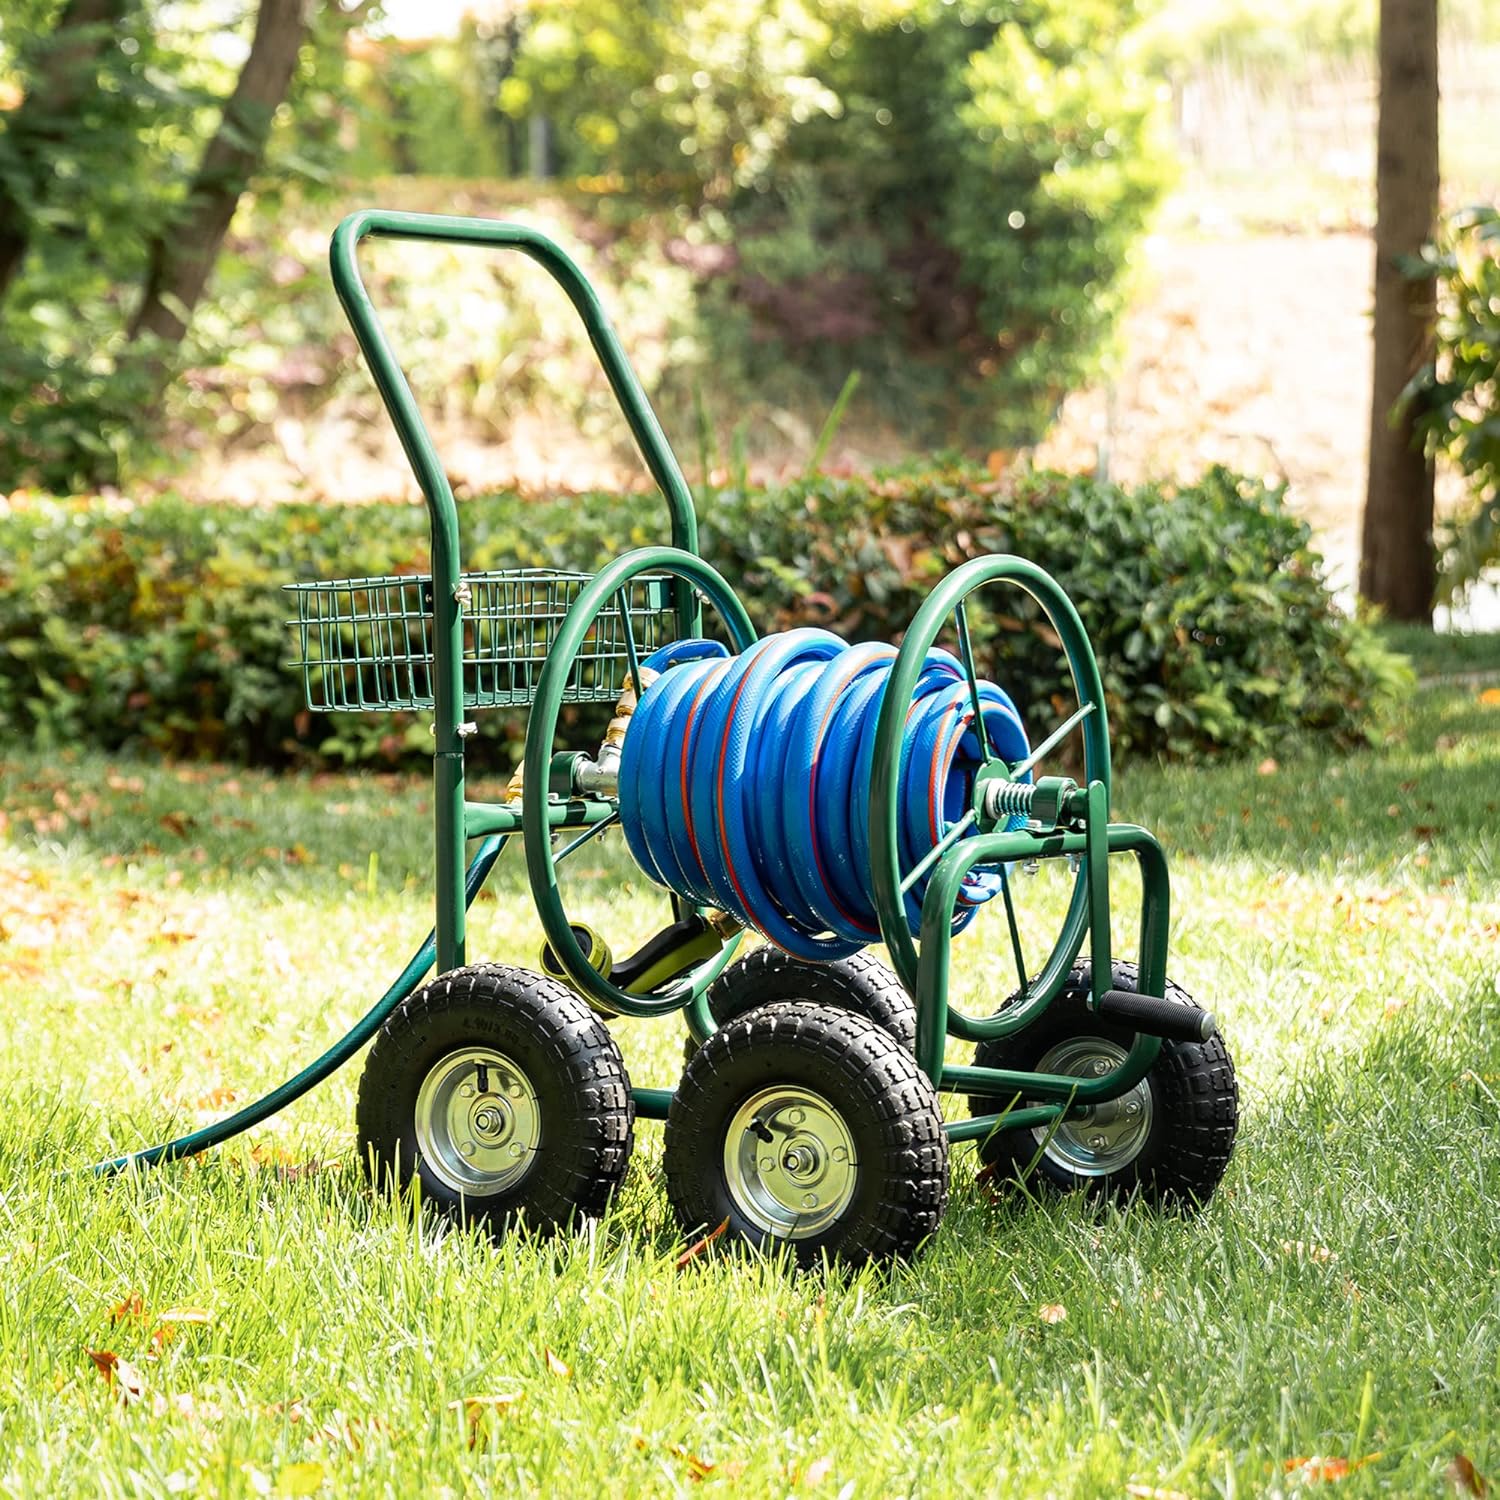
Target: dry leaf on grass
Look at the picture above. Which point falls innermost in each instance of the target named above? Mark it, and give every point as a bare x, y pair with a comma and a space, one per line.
132, 1309
1325, 1470
477, 1409
555, 1366
1321, 1254
119, 1374
1465, 1478
697, 1248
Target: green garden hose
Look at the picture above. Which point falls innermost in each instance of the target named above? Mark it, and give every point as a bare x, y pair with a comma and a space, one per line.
333, 1059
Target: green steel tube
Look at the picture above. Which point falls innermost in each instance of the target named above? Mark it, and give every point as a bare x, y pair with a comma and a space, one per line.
937, 1020
395, 392
981, 1127
495, 233
333, 1059
1095, 875
884, 849
541, 731
651, 1104
481, 818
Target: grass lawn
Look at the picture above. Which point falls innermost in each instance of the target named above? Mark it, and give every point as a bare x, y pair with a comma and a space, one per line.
172, 941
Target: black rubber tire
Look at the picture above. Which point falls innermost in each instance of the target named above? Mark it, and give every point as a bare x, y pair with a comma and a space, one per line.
587, 1116
885, 1101
1194, 1104
860, 984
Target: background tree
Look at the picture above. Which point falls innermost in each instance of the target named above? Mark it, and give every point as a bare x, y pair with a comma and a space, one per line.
1397, 567
113, 211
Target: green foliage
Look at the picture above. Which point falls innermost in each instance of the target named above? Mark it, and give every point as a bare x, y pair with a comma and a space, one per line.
1207, 606
1457, 399
78, 398
866, 185
163, 624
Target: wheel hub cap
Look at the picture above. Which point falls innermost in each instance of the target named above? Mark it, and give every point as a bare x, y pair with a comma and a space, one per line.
478, 1122
1111, 1134
789, 1162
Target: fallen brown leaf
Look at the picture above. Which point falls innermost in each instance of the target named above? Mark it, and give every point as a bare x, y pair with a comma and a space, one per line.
698, 1468
1325, 1470
119, 1374
1464, 1477
131, 1310
697, 1248
477, 1408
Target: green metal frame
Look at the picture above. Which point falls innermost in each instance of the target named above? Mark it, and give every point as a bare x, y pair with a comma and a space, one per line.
1079, 828
454, 819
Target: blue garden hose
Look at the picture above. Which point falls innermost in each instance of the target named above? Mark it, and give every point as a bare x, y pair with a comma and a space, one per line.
333, 1059
745, 781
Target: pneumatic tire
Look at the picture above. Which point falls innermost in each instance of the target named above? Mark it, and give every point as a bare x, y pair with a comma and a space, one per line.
812, 1127
1171, 1150
503, 1096
859, 983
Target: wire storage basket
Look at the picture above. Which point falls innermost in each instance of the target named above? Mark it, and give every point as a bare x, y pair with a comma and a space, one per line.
365, 644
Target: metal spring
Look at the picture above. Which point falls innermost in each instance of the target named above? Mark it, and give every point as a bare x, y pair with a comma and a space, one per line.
1004, 799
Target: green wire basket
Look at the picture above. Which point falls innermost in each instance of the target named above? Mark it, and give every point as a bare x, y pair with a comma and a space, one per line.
365, 644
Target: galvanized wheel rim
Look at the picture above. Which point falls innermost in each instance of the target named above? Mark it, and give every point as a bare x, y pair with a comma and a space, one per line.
789, 1162
478, 1122
1111, 1135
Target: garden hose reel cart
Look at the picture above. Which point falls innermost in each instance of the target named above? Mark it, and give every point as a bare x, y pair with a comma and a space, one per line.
825, 796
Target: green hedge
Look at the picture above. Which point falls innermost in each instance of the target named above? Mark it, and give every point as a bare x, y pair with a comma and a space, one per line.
161, 625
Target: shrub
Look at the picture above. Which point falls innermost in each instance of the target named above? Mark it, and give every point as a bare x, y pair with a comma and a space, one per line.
910, 180
162, 625
1457, 399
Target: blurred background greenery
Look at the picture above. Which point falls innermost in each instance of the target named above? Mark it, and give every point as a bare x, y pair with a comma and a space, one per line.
1129, 242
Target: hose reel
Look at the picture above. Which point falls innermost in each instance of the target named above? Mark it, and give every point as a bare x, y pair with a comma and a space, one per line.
745, 781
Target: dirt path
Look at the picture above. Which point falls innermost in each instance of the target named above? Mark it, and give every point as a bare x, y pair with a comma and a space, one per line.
1253, 351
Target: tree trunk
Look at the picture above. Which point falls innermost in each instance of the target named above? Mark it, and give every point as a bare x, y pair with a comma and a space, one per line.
1397, 568
183, 255
62, 73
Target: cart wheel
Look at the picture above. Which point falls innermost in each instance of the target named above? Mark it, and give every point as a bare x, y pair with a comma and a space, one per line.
859, 983
807, 1125
1170, 1141
504, 1095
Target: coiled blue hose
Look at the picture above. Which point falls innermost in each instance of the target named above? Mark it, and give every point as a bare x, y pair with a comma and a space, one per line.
745, 781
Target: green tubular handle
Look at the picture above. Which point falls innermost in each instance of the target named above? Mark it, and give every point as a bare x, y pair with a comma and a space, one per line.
447, 618
497, 233
541, 731
885, 869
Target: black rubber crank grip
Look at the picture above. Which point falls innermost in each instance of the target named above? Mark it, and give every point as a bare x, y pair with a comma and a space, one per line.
1157, 1017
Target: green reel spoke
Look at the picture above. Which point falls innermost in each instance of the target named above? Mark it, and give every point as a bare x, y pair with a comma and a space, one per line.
966, 655
1052, 741
1015, 931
